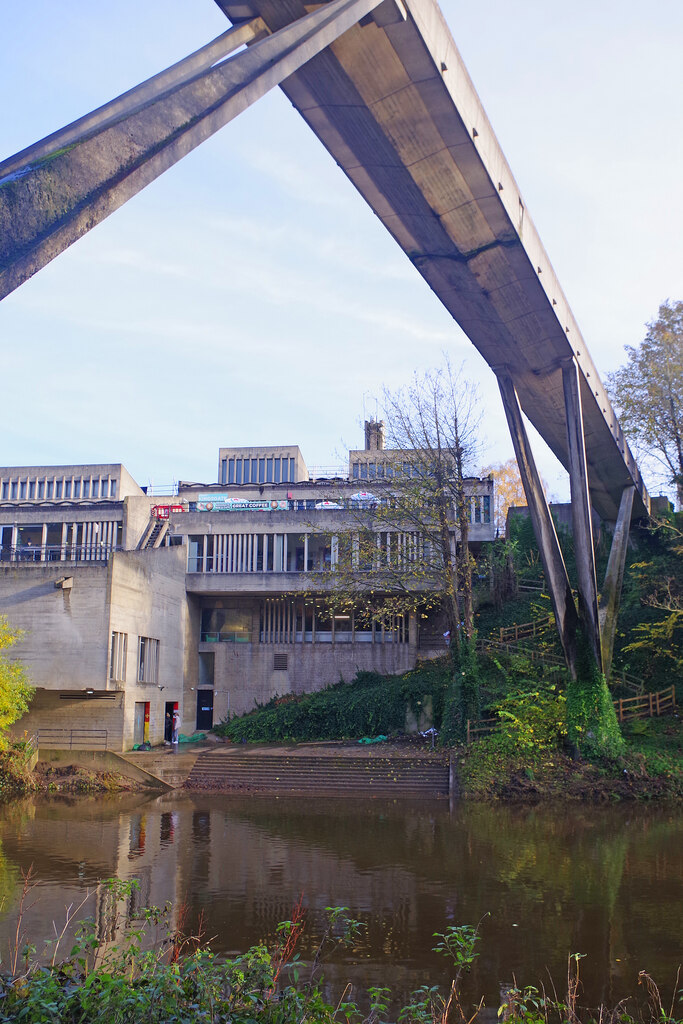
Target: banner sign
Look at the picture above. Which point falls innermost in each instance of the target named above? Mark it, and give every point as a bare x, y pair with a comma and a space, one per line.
223, 503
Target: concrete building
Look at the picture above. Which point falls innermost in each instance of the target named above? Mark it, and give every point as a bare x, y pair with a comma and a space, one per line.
206, 601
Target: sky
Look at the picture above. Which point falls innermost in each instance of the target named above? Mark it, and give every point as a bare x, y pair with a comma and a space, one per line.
249, 297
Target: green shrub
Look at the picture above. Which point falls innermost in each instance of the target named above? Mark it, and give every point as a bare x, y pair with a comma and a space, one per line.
370, 705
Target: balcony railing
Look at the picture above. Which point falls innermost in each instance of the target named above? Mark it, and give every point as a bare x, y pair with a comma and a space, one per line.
225, 638
59, 553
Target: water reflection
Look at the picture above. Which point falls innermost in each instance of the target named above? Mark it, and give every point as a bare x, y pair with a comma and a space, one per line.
603, 881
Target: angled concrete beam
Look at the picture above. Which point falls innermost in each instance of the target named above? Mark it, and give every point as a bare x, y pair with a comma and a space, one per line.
140, 96
581, 509
48, 203
542, 521
614, 578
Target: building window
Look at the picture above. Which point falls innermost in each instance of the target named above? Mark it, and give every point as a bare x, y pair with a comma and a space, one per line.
261, 471
5, 490
15, 486
486, 518
238, 471
112, 489
276, 469
22, 490
58, 489
96, 488
105, 488
231, 471
148, 660
269, 471
224, 471
86, 488
67, 488
254, 471
50, 489
118, 657
41, 488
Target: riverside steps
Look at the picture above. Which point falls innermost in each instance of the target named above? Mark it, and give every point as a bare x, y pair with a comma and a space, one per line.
339, 769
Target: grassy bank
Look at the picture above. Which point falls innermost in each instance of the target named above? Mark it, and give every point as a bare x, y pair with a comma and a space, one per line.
158, 975
650, 768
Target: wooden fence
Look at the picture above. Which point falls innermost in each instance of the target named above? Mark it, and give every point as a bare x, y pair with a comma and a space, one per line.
525, 629
647, 705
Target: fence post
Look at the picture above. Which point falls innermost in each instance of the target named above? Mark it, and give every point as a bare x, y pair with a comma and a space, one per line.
673, 697
657, 702
650, 695
621, 709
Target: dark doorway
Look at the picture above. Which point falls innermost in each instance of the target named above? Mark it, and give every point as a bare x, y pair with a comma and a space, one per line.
168, 720
204, 709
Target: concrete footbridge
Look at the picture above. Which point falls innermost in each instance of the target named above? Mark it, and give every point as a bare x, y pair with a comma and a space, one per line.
382, 85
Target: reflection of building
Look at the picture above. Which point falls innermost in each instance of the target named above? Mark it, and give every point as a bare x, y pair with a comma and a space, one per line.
206, 601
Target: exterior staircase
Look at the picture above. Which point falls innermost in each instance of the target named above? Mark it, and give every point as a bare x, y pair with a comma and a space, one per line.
154, 534
339, 774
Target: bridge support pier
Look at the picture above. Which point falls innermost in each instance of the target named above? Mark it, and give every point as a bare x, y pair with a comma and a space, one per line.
58, 189
614, 578
544, 528
597, 617
581, 511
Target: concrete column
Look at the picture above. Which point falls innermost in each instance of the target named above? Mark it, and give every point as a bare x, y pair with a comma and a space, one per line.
305, 552
581, 508
65, 536
544, 528
285, 564
43, 543
614, 578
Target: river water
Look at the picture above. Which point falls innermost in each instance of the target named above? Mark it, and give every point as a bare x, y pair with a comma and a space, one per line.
603, 881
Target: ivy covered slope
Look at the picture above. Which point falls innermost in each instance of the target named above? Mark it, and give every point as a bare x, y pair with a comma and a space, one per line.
371, 705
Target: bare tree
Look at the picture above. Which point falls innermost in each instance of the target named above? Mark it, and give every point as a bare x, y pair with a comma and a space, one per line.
404, 545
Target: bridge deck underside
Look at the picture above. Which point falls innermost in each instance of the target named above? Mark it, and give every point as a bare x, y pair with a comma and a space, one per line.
395, 107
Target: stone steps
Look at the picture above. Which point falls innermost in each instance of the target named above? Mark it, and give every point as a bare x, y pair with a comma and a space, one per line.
353, 776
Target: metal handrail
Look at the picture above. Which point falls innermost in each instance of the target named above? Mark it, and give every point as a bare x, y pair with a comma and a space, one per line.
215, 637
94, 552
78, 739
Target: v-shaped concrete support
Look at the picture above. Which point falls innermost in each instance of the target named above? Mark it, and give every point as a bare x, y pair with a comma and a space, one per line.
53, 193
544, 528
614, 578
584, 551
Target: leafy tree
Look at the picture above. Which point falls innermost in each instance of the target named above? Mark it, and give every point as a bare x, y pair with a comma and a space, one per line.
659, 641
15, 689
648, 392
509, 490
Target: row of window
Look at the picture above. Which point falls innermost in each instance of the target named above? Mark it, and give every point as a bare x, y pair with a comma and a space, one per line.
56, 488
147, 660
294, 552
258, 471
284, 621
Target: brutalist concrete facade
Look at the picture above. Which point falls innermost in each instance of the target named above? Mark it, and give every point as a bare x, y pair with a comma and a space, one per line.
206, 601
